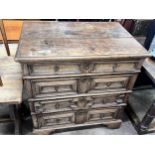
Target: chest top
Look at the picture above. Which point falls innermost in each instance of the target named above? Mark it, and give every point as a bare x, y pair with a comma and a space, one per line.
49, 41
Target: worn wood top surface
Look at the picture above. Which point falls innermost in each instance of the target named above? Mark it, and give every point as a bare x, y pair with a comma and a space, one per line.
11, 73
149, 66
76, 40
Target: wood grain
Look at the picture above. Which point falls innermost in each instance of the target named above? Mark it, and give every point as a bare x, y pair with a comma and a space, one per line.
50, 41
74, 30
82, 68
68, 86
11, 73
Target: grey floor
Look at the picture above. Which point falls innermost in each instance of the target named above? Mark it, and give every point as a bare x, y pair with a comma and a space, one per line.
125, 129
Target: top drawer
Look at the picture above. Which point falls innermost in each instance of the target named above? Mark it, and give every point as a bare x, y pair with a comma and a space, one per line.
85, 68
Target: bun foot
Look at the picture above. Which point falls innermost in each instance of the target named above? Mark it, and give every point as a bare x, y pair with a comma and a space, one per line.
114, 125
43, 132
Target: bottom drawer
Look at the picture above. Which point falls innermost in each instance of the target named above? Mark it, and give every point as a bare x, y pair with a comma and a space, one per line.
108, 113
75, 117
50, 119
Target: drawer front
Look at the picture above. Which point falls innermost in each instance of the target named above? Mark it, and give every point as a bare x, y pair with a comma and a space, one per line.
54, 69
74, 117
82, 85
78, 103
82, 68
102, 83
102, 114
48, 87
51, 119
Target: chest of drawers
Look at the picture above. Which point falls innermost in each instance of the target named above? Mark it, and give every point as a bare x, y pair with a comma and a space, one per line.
77, 74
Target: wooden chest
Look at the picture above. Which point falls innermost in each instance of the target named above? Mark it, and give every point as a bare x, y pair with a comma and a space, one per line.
77, 74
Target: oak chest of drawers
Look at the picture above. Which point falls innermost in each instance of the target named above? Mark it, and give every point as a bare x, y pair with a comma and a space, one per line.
77, 74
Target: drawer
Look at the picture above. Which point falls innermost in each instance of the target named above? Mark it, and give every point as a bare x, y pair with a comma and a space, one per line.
103, 83
79, 85
76, 103
75, 68
106, 113
54, 87
51, 119
74, 117
102, 114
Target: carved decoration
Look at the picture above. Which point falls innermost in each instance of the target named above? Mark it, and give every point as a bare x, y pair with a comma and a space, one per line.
56, 68
87, 67
41, 121
84, 85
114, 67
57, 106
81, 116
56, 88
136, 65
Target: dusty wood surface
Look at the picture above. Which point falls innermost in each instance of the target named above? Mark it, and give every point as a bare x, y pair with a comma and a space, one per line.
10, 71
63, 41
74, 30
